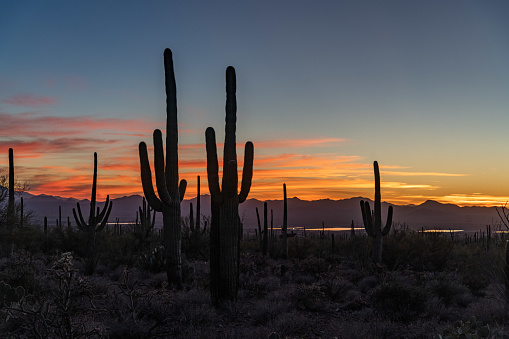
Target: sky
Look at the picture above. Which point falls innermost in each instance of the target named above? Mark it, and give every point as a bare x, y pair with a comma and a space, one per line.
324, 88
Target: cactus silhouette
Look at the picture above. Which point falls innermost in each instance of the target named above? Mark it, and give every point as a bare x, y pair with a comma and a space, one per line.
265, 238
198, 207
167, 179
284, 228
506, 270
263, 235
144, 229
225, 228
373, 221
96, 222
10, 204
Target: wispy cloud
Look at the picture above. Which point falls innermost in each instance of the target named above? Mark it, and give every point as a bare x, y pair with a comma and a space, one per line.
35, 125
299, 143
28, 100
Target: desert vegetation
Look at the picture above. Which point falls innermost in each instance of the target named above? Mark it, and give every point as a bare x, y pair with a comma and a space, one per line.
204, 277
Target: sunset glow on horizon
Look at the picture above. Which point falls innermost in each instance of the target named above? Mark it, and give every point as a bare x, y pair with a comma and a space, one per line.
323, 90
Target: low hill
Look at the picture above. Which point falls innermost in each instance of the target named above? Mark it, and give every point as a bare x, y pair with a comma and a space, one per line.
301, 213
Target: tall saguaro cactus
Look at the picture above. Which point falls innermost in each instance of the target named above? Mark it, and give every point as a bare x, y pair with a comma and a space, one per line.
284, 228
167, 179
10, 205
96, 222
373, 221
225, 230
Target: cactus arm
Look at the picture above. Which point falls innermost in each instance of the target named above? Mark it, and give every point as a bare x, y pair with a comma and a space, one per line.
161, 184
247, 172
79, 221
105, 219
212, 165
153, 219
182, 189
81, 215
368, 219
388, 225
146, 179
363, 211
100, 216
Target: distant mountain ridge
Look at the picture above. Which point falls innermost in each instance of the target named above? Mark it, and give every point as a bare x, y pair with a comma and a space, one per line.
310, 214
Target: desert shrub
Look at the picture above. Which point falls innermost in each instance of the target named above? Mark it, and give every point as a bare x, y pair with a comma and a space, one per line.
28, 239
420, 252
355, 300
367, 283
402, 302
308, 297
311, 266
476, 283
335, 287
450, 292
262, 312
195, 245
294, 325
20, 271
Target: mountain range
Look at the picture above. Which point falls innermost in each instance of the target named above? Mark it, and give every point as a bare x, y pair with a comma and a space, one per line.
301, 213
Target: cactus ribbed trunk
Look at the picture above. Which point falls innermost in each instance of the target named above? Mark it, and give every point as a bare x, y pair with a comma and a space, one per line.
215, 251
506, 275
229, 226
91, 254
10, 205
225, 231
172, 245
284, 229
198, 206
167, 179
265, 238
21, 213
377, 249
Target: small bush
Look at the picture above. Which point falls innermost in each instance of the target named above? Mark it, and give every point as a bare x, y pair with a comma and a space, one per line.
400, 302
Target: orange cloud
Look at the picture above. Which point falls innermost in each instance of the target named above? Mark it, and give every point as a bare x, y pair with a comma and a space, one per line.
300, 143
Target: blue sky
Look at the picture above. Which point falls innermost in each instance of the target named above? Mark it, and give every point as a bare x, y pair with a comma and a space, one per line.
324, 88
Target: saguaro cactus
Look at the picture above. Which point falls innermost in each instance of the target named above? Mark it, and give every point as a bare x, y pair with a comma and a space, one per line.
506, 272
167, 179
225, 229
198, 208
144, 229
265, 238
10, 205
96, 222
373, 221
284, 229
